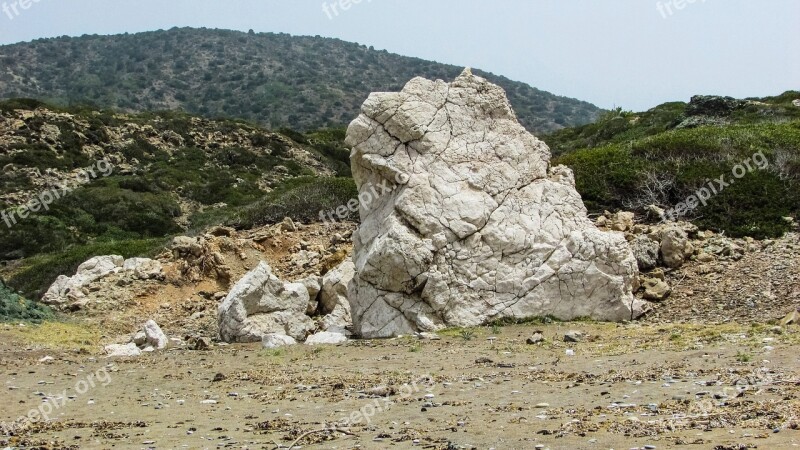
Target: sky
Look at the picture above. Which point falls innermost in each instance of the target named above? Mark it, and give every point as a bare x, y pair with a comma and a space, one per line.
633, 54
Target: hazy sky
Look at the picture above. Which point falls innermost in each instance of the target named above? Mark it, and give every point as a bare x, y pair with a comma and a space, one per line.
630, 53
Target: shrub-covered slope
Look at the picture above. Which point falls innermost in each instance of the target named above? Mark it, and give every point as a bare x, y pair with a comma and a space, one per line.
664, 156
276, 80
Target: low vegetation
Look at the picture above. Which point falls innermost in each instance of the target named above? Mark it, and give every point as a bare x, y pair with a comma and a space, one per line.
16, 308
276, 80
661, 157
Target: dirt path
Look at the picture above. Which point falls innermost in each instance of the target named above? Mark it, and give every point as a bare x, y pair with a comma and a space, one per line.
625, 387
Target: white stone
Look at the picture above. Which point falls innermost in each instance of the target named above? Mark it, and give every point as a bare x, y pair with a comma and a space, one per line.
126, 350
260, 304
467, 223
275, 340
326, 338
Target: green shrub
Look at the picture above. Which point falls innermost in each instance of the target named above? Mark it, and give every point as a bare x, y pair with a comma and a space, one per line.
26, 104
604, 176
301, 199
14, 307
615, 176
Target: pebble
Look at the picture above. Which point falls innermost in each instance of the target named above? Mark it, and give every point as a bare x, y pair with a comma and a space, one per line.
542, 405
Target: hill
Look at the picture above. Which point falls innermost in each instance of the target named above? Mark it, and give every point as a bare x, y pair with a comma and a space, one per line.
741, 156
274, 79
78, 183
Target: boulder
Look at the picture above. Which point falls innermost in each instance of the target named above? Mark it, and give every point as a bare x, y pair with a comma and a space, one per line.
70, 289
275, 340
645, 250
185, 246
713, 105
333, 298
154, 337
464, 222
260, 304
675, 246
796, 103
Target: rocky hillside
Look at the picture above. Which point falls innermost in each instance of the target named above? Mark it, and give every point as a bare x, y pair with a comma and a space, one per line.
737, 162
273, 79
78, 183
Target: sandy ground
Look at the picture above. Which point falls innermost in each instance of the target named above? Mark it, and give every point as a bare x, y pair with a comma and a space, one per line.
631, 386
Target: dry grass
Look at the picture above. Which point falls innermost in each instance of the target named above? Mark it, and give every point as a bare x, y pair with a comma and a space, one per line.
54, 335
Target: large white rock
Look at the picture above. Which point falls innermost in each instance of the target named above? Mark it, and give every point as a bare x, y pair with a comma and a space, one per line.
260, 304
333, 297
464, 222
69, 289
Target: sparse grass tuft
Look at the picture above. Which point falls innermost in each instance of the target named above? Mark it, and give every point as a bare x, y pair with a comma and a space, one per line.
467, 334
274, 352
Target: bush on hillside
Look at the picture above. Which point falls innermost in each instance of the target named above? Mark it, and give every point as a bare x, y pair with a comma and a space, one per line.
14, 307
301, 199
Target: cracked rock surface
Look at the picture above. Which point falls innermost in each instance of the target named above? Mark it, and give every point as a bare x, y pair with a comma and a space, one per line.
261, 304
464, 222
